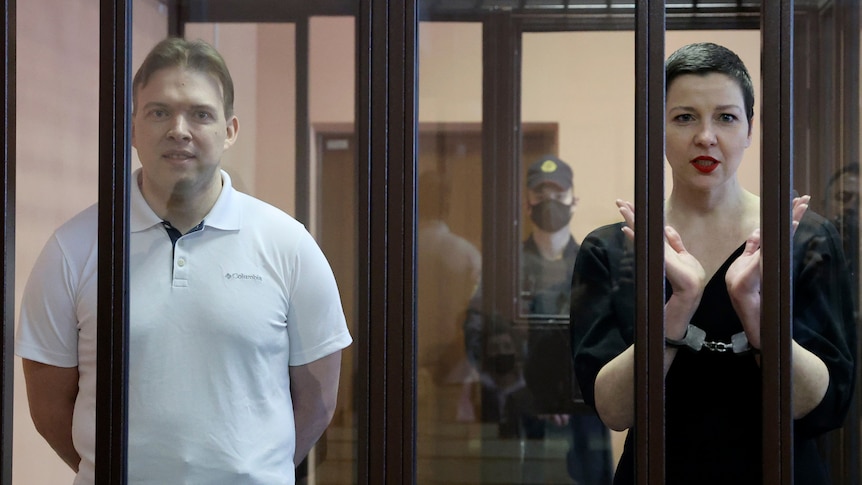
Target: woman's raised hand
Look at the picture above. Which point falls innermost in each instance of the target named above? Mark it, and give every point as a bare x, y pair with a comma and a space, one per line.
684, 272
743, 277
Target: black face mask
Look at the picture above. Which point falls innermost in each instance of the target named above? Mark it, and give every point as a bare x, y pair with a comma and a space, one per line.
500, 364
551, 215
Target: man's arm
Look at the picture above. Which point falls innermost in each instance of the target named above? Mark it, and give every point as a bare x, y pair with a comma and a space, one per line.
313, 389
51, 392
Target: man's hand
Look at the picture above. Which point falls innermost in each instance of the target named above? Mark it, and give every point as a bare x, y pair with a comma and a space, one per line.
314, 390
51, 392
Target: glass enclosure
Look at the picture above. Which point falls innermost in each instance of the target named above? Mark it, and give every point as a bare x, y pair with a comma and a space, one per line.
524, 139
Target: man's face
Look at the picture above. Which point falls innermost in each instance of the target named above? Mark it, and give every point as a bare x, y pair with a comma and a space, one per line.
180, 132
548, 191
842, 204
550, 207
843, 195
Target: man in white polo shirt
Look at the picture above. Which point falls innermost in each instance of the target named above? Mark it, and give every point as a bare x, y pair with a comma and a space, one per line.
236, 322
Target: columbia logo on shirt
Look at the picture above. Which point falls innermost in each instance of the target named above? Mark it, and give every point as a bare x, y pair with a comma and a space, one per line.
242, 276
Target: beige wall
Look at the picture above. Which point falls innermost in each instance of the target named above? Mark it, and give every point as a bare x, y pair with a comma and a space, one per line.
57, 103
583, 81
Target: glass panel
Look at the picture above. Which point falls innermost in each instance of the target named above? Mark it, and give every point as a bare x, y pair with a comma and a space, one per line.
526, 426
332, 81
57, 149
826, 165
449, 424
263, 162
585, 96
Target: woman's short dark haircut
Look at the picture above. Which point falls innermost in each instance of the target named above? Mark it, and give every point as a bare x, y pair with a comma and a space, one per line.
196, 55
705, 58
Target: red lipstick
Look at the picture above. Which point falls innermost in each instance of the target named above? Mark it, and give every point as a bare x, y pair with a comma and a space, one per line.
705, 164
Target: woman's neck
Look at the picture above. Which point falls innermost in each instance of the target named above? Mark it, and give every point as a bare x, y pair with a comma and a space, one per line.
729, 202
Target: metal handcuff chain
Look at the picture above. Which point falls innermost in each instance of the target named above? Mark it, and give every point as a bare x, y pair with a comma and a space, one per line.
695, 340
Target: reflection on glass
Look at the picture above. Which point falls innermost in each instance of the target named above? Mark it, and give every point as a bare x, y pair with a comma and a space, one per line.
826, 160
449, 267
449, 232
333, 219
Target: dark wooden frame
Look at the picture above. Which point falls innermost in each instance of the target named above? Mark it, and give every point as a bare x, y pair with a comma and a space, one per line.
7, 218
387, 129
501, 148
776, 309
649, 246
112, 344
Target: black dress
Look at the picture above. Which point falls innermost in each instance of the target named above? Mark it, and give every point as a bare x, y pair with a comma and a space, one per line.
713, 400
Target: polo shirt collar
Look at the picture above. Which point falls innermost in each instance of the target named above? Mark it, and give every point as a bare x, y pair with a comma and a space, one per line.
224, 215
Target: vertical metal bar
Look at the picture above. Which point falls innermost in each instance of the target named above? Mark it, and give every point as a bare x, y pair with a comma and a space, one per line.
303, 130
401, 182
776, 220
501, 103
649, 242
113, 302
371, 465
406, 120
7, 214
387, 125
178, 15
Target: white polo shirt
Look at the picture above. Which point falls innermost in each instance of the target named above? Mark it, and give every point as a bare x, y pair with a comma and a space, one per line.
216, 319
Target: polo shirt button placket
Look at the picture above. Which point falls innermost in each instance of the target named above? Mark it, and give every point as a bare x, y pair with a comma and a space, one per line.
181, 263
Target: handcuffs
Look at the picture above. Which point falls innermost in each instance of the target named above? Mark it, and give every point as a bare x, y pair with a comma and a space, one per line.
695, 340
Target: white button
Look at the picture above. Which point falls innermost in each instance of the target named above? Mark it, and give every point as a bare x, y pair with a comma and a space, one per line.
181, 262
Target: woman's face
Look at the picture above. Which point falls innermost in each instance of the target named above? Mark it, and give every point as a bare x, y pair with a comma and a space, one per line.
706, 129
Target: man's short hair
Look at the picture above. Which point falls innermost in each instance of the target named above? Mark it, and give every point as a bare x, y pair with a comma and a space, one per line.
196, 55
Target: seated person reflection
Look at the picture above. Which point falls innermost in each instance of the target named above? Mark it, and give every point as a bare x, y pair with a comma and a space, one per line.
236, 324
526, 375
448, 272
713, 305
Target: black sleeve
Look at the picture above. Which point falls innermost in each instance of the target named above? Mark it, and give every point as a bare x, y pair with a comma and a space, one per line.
823, 321
601, 322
